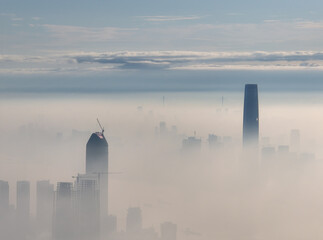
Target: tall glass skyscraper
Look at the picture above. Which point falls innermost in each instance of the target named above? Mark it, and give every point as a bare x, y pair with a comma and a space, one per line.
97, 164
96, 154
251, 116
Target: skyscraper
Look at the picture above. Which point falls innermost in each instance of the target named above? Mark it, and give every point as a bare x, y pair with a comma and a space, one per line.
63, 227
134, 220
4, 198
250, 116
4, 210
97, 163
23, 209
295, 141
96, 154
44, 207
23, 200
87, 207
168, 231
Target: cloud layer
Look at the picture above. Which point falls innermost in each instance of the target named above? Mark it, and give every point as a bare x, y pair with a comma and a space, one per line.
161, 60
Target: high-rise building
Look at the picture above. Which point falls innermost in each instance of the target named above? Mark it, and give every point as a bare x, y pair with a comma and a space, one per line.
23, 200
44, 205
64, 219
87, 210
112, 224
5, 213
168, 231
23, 209
97, 156
295, 140
162, 128
134, 220
214, 141
251, 116
4, 198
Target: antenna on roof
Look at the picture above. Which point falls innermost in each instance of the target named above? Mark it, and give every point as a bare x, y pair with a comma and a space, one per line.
102, 129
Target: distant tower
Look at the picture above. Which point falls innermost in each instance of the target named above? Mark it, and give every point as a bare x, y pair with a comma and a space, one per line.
23, 209
251, 116
295, 141
87, 207
23, 200
64, 220
168, 231
5, 223
4, 198
45, 197
134, 220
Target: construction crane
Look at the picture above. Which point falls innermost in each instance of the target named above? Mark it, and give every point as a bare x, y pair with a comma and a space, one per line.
102, 128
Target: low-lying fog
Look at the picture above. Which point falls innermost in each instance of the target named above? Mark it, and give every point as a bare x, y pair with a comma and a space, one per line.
208, 193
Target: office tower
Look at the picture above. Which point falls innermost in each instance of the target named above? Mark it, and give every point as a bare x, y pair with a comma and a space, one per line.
23, 209
134, 220
4, 210
162, 128
295, 140
97, 163
250, 116
168, 231
96, 154
112, 224
4, 198
87, 210
44, 205
214, 141
64, 220
23, 200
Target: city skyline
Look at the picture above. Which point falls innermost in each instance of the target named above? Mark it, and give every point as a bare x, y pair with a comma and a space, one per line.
161, 120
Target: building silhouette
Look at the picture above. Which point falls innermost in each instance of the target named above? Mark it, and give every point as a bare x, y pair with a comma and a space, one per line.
191, 144
4, 198
295, 140
251, 116
63, 228
23, 200
4, 210
168, 231
214, 141
87, 209
112, 224
44, 205
134, 220
23, 209
97, 156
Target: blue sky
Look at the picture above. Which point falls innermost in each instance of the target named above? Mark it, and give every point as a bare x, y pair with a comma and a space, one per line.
76, 37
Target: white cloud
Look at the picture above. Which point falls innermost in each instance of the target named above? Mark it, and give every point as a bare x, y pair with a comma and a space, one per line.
80, 62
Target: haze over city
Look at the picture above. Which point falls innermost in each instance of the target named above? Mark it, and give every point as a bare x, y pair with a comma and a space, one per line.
171, 120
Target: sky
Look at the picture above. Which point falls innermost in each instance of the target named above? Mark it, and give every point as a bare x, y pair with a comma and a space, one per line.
101, 37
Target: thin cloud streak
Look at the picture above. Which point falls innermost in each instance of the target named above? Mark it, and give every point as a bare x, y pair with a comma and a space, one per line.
169, 18
86, 34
